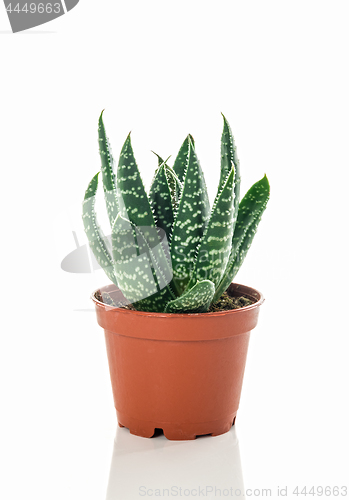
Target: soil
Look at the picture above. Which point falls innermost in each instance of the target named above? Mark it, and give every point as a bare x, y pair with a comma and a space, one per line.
106, 299
225, 303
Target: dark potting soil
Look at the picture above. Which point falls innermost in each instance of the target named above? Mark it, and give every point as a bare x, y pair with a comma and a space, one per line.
225, 303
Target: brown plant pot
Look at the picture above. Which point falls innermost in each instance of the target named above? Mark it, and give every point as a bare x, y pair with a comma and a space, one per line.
181, 373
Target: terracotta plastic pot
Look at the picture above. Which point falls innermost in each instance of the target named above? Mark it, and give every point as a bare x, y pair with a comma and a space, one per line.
181, 373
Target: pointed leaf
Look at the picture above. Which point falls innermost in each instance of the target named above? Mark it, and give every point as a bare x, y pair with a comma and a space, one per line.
215, 246
190, 222
141, 267
173, 181
108, 174
132, 198
175, 186
230, 160
134, 206
160, 200
195, 300
133, 271
181, 162
250, 212
96, 238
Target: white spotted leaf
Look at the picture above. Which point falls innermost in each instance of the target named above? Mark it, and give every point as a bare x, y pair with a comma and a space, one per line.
214, 248
230, 160
181, 162
108, 173
161, 201
251, 209
96, 238
195, 300
190, 222
132, 199
141, 267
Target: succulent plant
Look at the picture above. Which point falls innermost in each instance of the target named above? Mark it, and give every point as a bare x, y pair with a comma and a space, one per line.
169, 251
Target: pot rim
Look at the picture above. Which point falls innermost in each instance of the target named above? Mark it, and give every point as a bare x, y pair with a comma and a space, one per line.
245, 290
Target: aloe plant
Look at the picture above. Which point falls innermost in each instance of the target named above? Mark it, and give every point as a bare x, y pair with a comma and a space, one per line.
170, 251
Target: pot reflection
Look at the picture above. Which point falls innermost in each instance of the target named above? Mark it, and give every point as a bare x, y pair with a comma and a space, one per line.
207, 467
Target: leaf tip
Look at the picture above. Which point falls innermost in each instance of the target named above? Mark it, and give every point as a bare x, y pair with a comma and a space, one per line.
190, 141
92, 187
265, 178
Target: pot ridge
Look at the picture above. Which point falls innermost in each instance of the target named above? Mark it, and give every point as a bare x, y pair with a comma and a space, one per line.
171, 326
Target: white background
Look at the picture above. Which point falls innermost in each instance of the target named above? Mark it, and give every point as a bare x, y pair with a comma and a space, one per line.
279, 72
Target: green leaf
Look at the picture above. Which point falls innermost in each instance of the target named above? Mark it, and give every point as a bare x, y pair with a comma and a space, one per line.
250, 212
132, 198
174, 184
181, 162
230, 160
135, 207
214, 249
195, 300
94, 233
190, 222
133, 270
161, 202
141, 267
108, 175
156, 302
175, 187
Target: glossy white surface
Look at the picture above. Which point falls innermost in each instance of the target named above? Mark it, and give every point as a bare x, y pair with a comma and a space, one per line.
140, 467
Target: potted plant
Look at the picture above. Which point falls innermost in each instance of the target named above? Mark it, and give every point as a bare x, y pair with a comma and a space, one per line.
176, 327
